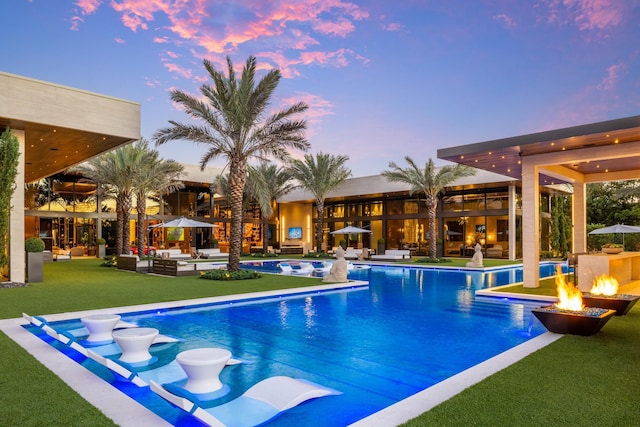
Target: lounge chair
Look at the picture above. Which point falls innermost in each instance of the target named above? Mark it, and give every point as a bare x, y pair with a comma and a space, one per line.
262, 402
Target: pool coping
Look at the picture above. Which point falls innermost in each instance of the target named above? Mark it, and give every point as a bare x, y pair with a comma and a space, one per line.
126, 412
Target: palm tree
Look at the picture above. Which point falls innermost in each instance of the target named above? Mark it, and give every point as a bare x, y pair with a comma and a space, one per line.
430, 182
268, 183
113, 173
153, 176
236, 127
319, 175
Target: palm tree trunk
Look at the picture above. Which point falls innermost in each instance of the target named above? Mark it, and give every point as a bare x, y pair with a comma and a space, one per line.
126, 226
432, 204
265, 235
319, 226
237, 179
141, 207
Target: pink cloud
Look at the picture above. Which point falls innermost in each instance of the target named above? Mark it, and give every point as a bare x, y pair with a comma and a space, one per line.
505, 19
613, 75
342, 27
88, 6
318, 108
587, 14
175, 68
119, 40
393, 26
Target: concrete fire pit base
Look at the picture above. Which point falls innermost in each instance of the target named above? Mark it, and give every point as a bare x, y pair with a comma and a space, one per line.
586, 322
621, 303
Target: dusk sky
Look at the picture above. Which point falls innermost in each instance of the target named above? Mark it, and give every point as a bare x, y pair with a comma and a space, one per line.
383, 79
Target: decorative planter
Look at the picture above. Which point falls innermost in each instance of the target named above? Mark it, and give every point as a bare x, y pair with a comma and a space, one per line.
586, 322
35, 266
612, 250
621, 303
101, 251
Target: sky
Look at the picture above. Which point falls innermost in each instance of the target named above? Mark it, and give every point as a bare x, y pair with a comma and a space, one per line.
383, 79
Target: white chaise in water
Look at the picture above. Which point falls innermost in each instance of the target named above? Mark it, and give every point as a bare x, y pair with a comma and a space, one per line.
262, 402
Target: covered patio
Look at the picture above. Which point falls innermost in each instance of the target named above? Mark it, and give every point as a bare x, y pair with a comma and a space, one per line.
579, 155
57, 127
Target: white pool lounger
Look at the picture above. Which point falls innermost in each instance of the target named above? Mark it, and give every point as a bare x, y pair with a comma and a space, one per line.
259, 404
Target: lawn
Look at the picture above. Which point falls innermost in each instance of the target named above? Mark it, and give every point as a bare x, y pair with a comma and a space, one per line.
575, 380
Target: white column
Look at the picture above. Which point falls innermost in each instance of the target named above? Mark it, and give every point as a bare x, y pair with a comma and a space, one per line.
579, 217
17, 263
512, 221
530, 224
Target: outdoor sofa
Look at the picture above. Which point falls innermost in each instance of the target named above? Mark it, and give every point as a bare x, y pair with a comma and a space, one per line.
393, 255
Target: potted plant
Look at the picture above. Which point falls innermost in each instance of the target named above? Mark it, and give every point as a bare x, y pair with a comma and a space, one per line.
612, 248
101, 247
343, 243
214, 243
34, 247
381, 247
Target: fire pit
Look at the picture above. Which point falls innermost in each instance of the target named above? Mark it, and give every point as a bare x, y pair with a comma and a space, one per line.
604, 294
585, 322
569, 315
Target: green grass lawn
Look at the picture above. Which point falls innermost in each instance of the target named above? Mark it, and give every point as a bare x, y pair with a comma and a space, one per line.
575, 380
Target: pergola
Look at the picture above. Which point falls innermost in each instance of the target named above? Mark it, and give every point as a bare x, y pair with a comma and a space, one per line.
596, 152
57, 127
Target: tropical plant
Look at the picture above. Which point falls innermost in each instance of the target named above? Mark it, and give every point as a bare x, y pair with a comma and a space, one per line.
153, 176
114, 174
320, 175
236, 127
267, 183
9, 154
429, 181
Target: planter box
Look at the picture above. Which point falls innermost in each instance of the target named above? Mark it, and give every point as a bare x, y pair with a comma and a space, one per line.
621, 303
35, 266
612, 250
574, 323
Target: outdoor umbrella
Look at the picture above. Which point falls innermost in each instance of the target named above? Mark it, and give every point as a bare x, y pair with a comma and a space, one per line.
618, 228
183, 222
351, 230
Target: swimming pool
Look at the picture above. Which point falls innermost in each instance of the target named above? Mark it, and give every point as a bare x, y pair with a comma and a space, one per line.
409, 329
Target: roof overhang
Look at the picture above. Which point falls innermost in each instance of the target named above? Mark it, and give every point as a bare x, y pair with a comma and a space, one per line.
64, 126
596, 152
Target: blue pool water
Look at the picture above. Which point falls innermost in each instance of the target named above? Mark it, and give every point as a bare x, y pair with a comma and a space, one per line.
409, 329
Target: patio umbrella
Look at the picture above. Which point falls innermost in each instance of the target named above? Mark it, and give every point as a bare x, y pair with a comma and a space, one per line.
618, 228
350, 230
183, 222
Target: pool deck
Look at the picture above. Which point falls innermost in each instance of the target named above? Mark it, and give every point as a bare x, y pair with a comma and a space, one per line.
127, 412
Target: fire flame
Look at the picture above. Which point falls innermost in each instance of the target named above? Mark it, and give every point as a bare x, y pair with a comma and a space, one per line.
569, 297
605, 285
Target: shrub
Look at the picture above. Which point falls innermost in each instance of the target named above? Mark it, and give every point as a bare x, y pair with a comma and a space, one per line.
100, 241
34, 244
317, 255
432, 260
230, 275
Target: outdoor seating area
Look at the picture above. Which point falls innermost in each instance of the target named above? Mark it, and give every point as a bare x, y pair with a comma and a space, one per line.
393, 255
213, 253
173, 253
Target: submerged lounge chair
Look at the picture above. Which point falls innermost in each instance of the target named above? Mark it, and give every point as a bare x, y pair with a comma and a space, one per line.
262, 402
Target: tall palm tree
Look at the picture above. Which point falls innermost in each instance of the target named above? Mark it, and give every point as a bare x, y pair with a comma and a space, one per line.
114, 173
268, 183
236, 127
431, 182
319, 175
153, 176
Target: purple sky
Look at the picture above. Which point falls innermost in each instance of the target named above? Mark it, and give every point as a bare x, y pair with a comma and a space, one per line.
384, 79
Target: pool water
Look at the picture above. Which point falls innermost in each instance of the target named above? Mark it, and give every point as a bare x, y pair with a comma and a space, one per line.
408, 330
